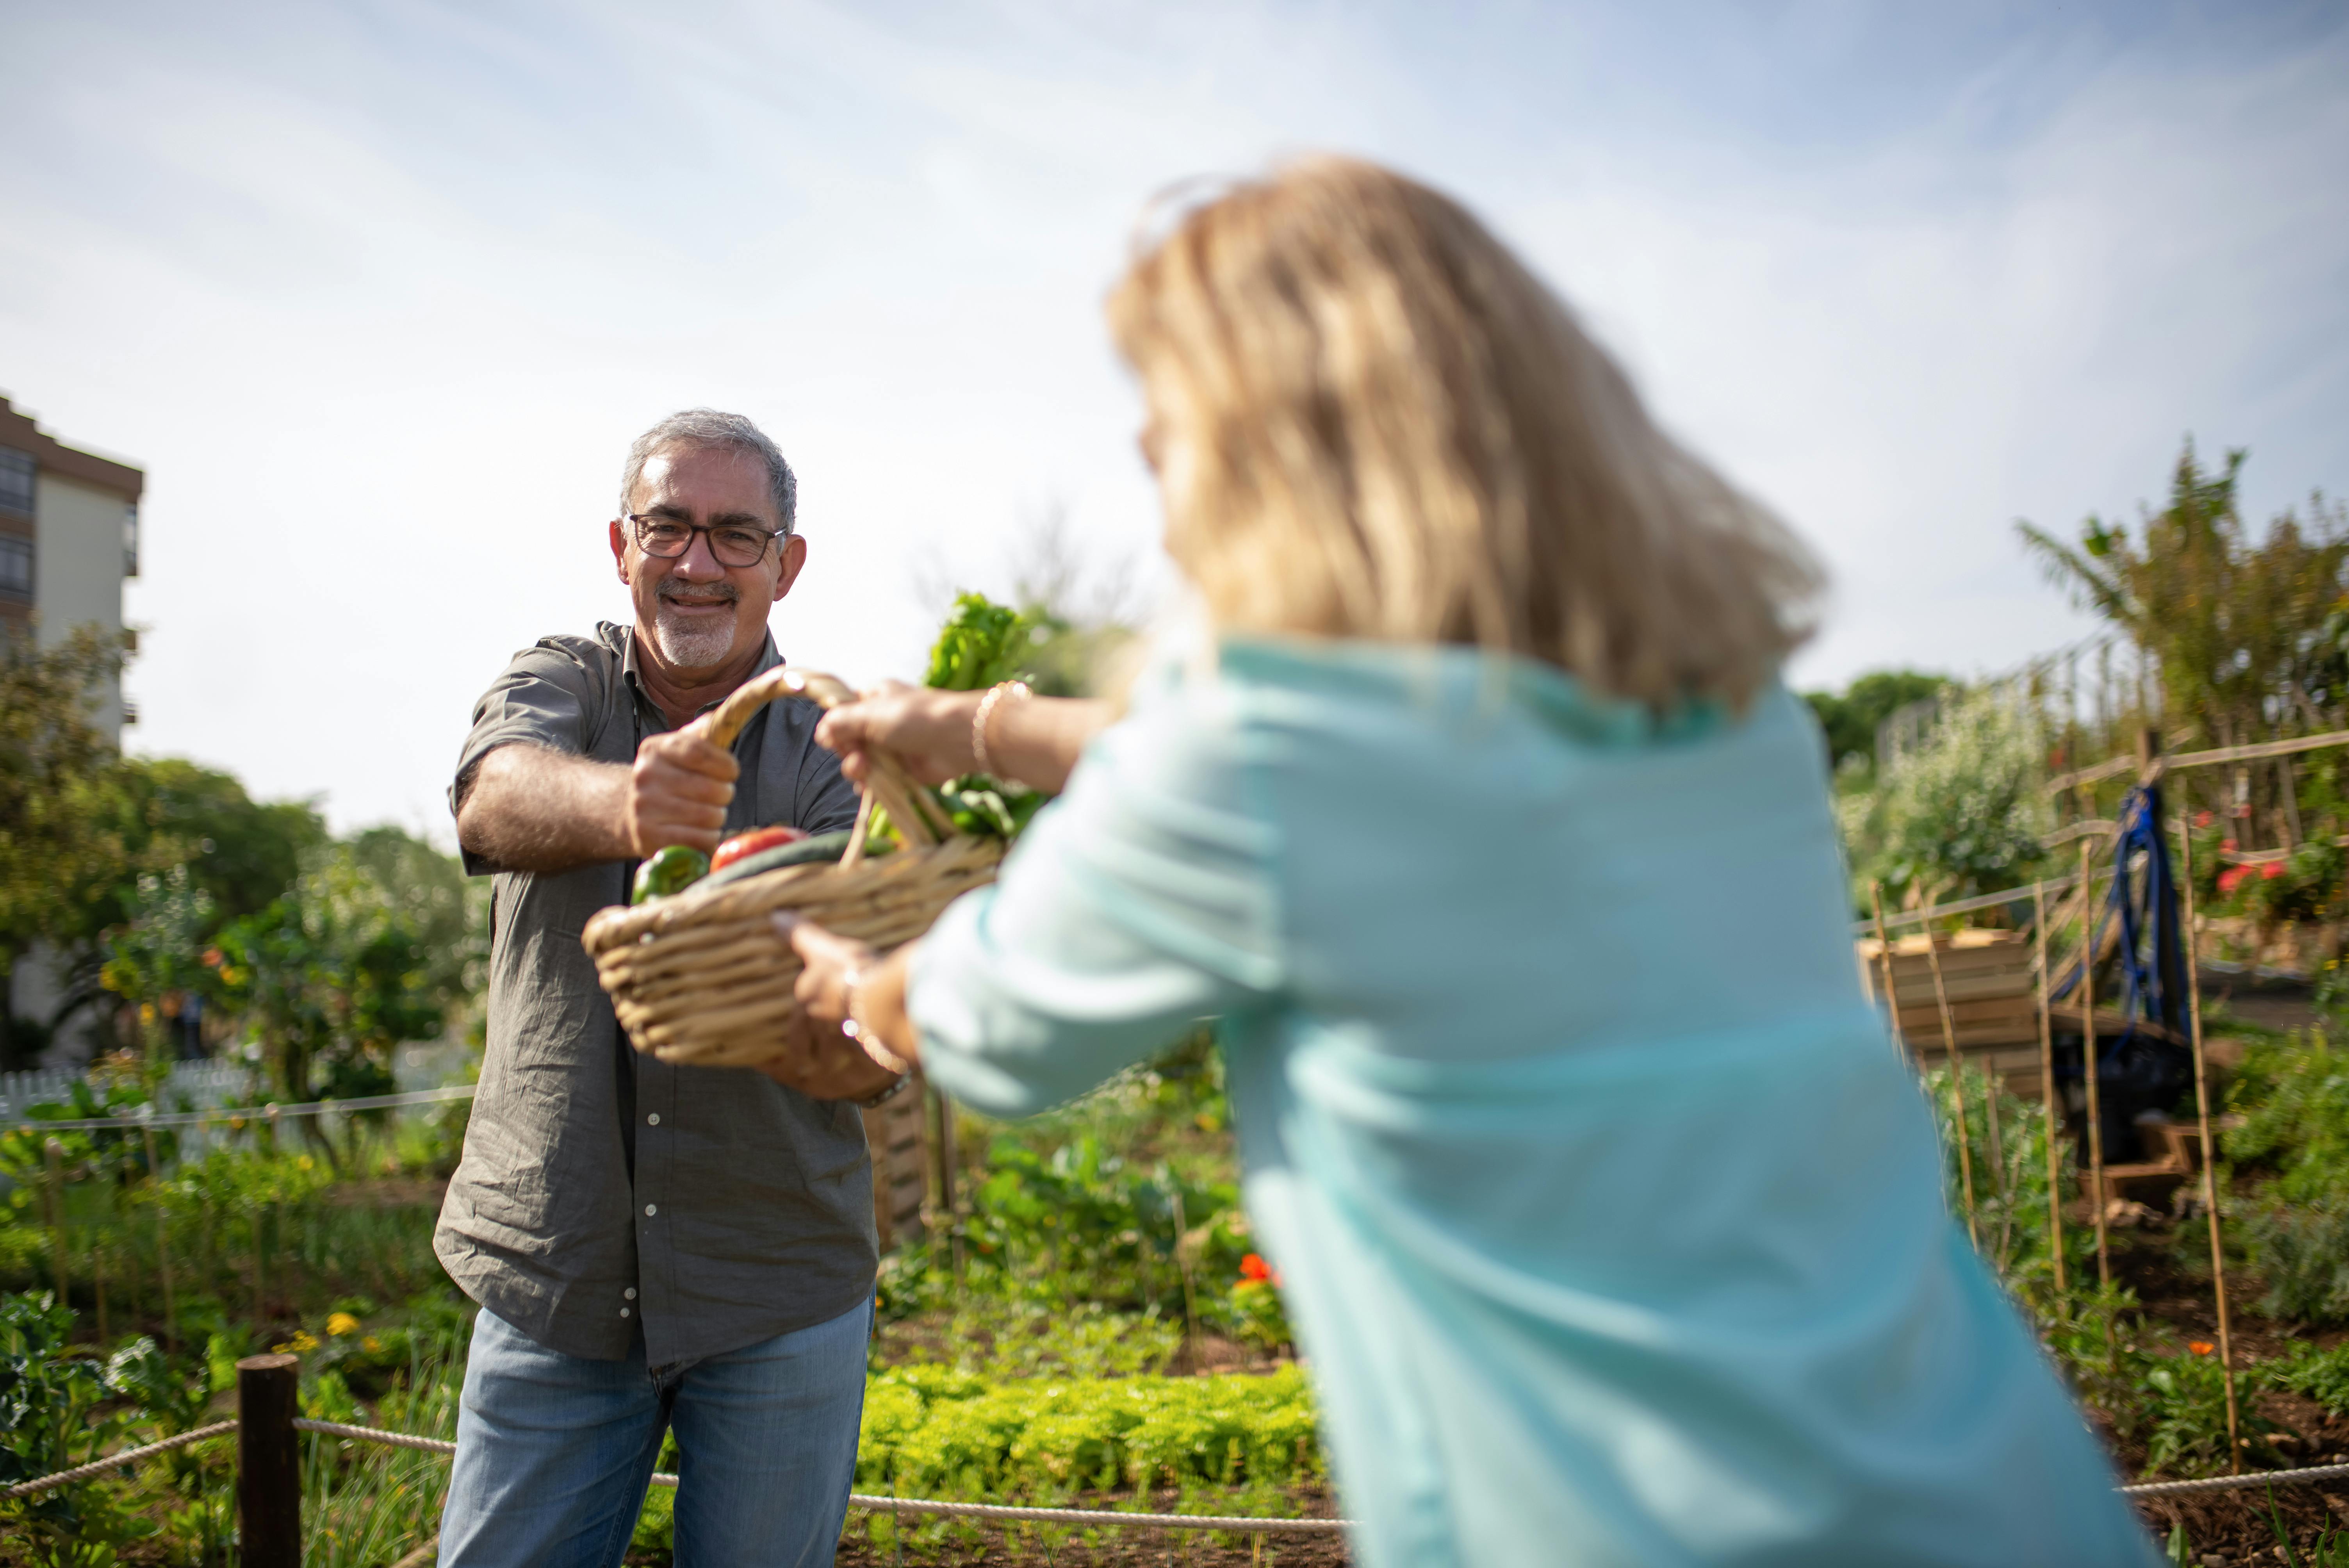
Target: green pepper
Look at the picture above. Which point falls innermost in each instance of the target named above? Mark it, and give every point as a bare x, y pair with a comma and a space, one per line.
672, 870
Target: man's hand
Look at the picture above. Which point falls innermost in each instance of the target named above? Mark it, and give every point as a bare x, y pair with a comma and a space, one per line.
677, 792
822, 1063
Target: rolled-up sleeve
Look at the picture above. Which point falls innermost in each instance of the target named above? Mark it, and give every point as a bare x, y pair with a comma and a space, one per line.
541, 698
1139, 904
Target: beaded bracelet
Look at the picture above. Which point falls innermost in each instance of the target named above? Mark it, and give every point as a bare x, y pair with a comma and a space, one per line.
984, 715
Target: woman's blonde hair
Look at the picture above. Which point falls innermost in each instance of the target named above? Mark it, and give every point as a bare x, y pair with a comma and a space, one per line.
1393, 430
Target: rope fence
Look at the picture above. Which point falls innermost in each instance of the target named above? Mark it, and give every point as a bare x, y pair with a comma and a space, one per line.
145, 1116
118, 1461
1008, 1513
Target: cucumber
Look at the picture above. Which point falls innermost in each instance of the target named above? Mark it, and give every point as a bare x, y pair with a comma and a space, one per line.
805, 851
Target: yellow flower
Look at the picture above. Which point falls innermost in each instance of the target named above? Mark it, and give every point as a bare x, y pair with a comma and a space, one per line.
371, 1344
341, 1322
300, 1345
302, 1163
146, 1012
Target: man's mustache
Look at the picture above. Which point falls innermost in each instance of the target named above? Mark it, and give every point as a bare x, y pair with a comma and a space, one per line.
669, 588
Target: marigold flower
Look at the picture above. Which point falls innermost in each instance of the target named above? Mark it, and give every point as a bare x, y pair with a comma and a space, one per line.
341, 1322
2200, 1347
1256, 1268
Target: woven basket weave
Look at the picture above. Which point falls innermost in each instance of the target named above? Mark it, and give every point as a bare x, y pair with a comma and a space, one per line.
701, 978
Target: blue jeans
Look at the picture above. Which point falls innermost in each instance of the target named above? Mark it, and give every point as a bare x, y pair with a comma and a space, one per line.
554, 1452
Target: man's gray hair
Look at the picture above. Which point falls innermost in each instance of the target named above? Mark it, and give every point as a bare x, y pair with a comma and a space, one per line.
708, 427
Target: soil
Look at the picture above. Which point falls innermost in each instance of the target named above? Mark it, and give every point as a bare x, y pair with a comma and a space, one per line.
2231, 1527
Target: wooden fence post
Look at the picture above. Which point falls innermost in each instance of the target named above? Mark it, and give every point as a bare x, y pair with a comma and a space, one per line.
2089, 927
2047, 1095
2209, 1148
1957, 1077
269, 1461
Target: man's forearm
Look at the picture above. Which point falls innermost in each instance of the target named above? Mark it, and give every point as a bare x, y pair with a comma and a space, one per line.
532, 810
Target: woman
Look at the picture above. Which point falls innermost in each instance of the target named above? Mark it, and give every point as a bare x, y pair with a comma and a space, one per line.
1610, 1223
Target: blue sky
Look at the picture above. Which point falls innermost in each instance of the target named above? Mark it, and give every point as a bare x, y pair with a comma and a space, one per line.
379, 294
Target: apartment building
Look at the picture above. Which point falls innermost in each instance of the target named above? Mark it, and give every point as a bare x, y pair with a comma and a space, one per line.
69, 538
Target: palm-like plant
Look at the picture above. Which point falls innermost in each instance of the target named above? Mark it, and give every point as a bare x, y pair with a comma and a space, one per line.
2248, 632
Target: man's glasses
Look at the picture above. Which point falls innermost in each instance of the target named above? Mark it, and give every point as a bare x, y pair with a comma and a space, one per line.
733, 544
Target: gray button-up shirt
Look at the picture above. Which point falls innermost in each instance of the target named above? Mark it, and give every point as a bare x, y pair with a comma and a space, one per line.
603, 1194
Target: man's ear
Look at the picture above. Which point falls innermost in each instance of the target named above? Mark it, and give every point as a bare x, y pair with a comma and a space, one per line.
620, 549
794, 557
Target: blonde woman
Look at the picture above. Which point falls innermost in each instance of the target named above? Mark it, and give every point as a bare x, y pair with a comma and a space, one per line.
1611, 1226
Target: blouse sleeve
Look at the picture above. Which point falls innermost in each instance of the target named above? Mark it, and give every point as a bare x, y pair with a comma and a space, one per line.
1138, 904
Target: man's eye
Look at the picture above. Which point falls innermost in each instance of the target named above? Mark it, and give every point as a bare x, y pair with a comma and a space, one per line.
665, 532
742, 538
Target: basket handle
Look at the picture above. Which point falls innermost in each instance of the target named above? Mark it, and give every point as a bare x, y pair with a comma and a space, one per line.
909, 804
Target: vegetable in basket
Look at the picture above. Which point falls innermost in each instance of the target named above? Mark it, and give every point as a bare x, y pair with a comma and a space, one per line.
982, 643
751, 843
671, 869
802, 850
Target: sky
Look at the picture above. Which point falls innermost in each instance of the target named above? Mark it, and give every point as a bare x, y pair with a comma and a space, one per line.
378, 295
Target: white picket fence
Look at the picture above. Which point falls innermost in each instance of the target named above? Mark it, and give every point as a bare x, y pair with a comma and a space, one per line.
205, 1085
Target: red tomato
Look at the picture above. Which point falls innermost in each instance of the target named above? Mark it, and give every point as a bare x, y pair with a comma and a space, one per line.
751, 843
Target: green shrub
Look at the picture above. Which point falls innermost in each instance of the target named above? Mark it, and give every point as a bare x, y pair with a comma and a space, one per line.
2321, 1375
2293, 1095
936, 1432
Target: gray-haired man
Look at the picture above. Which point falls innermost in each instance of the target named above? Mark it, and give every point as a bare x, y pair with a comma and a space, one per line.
653, 1248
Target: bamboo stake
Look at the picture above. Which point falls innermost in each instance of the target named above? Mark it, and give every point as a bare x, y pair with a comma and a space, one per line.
162, 1245
2047, 1092
2089, 1065
53, 1153
1884, 950
1957, 1077
2209, 1151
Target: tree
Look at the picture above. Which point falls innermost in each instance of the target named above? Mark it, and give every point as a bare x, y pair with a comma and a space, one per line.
360, 954
1959, 815
64, 807
1851, 719
2248, 632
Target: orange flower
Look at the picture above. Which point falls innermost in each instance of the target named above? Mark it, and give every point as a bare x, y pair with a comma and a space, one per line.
1255, 1267
2200, 1347
212, 957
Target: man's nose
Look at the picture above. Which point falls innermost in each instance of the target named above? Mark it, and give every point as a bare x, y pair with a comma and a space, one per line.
700, 561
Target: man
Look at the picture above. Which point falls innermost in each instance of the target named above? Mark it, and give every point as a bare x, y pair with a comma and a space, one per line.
653, 1248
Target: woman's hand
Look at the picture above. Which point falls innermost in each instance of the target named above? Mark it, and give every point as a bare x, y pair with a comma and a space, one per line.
929, 731
832, 966
822, 1063
830, 961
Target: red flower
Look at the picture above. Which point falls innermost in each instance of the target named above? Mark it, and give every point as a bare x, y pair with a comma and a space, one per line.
1256, 1268
2232, 878
2201, 818
2226, 846
2272, 869
212, 957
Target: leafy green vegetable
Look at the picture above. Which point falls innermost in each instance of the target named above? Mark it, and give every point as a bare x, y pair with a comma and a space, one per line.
982, 643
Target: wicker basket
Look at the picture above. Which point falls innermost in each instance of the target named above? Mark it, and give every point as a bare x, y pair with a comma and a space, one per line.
701, 977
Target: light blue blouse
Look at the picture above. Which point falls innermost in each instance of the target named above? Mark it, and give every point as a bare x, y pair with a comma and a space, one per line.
1611, 1225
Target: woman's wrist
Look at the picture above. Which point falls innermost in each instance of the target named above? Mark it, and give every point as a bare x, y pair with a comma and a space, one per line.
868, 1039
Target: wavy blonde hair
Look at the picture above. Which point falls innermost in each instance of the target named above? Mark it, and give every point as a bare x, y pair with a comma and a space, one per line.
1391, 430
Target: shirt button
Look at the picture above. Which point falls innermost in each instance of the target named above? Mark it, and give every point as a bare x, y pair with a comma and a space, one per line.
624, 1312
652, 1119
651, 1209
631, 1293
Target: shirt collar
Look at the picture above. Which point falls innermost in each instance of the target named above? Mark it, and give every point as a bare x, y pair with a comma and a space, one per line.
623, 640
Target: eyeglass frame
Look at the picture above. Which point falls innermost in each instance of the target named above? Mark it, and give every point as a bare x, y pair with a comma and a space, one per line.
637, 521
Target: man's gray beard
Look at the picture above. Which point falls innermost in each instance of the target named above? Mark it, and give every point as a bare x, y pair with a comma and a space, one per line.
691, 647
